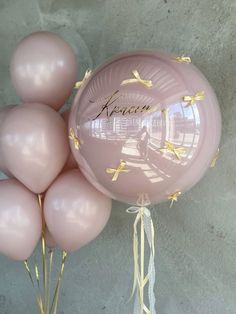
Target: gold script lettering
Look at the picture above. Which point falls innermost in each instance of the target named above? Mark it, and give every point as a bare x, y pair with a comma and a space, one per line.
109, 102
122, 109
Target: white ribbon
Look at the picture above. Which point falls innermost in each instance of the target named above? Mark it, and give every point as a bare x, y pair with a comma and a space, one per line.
140, 279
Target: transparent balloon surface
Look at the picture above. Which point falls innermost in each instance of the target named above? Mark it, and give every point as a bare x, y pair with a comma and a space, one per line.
147, 124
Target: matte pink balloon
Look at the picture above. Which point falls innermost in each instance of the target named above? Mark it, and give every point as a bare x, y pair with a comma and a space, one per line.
3, 114
71, 162
49, 240
44, 69
149, 125
20, 220
66, 115
75, 213
34, 144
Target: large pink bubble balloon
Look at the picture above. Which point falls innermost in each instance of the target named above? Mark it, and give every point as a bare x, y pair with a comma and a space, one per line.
147, 124
75, 212
44, 69
34, 145
20, 220
3, 114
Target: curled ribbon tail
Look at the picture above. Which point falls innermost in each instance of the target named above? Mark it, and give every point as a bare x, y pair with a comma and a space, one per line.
135, 253
150, 233
143, 221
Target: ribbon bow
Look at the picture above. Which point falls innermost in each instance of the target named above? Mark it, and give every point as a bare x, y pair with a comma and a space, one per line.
116, 172
86, 76
174, 197
183, 59
137, 79
75, 139
140, 279
179, 152
191, 100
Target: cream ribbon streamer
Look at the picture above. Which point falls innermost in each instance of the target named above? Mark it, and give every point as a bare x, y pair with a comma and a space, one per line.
141, 280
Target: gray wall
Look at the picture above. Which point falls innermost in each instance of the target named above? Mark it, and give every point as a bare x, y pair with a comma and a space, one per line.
196, 248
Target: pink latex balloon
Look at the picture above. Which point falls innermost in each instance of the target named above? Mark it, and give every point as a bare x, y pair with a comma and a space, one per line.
3, 114
71, 162
149, 125
20, 220
50, 242
75, 212
66, 115
44, 69
34, 144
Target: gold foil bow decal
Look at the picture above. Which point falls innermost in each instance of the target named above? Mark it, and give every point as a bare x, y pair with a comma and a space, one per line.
183, 59
86, 76
191, 100
137, 79
116, 172
179, 152
75, 139
216, 157
174, 197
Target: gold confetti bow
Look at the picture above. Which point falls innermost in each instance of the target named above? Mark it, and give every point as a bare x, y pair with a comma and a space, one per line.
174, 197
116, 172
75, 139
183, 59
179, 152
191, 100
137, 79
215, 159
143, 217
86, 76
